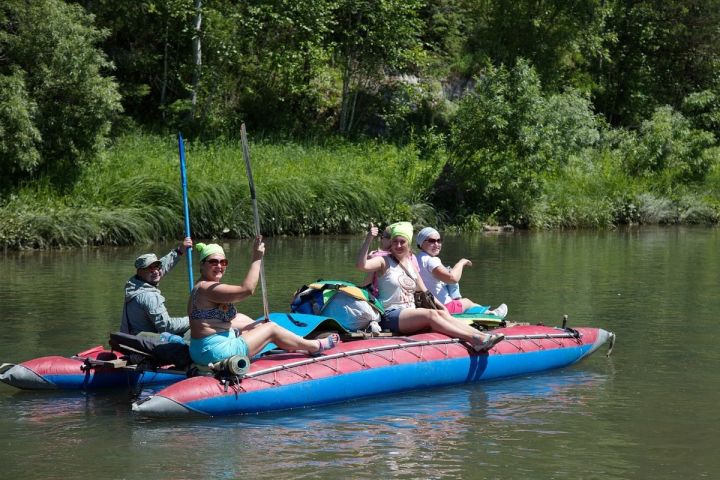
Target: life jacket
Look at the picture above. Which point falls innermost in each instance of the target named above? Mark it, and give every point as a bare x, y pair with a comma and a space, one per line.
351, 306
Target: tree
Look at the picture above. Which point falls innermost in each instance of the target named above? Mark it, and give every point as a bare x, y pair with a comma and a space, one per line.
197, 55
260, 60
372, 39
19, 137
48, 55
272, 64
665, 51
150, 43
560, 38
506, 135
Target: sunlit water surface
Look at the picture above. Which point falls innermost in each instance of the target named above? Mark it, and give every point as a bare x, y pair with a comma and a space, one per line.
648, 411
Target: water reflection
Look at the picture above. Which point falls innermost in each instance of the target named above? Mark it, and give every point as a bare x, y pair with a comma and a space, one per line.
51, 434
426, 431
647, 412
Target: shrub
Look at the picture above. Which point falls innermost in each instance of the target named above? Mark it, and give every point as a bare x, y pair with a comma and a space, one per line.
507, 136
591, 191
671, 151
50, 56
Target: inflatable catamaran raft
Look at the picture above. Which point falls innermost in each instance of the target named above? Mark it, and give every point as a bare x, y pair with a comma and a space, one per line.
136, 364
325, 305
369, 367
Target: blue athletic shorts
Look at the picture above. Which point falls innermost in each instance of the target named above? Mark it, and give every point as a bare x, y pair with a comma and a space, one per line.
214, 348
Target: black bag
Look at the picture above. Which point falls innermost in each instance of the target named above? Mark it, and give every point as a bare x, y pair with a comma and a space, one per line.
177, 354
425, 300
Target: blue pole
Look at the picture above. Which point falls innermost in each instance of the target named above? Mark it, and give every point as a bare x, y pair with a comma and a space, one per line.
183, 181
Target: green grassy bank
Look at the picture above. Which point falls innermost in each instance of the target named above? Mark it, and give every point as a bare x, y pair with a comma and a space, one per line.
599, 193
133, 194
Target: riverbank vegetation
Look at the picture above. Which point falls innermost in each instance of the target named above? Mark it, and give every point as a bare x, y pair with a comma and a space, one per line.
132, 194
556, 115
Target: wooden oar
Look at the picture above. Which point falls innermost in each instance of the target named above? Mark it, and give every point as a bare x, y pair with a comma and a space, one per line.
246, 156
183, 182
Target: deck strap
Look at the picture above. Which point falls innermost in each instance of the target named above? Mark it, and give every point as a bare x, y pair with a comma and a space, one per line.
95, 363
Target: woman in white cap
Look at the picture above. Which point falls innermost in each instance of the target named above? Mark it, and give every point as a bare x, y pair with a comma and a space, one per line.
437, 276
398, 280
218, 330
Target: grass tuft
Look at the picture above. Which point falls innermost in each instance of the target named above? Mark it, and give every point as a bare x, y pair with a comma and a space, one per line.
133, 194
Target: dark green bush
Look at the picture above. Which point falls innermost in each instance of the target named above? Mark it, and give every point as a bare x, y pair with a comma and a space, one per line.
57, 99
507, 135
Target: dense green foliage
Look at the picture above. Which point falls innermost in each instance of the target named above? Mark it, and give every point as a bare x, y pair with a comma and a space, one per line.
55, 107
133, 194
507, 136
589, 113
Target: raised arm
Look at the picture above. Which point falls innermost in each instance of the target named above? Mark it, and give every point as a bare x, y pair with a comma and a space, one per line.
226, 293
173, 257
363, 263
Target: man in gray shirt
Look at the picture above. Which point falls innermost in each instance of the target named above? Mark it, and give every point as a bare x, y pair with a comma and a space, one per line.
144, 309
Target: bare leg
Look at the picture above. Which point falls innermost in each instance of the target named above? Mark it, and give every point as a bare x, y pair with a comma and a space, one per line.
261, 334
413, 320
467, 304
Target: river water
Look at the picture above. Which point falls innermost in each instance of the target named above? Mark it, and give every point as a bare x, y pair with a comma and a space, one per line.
648, 411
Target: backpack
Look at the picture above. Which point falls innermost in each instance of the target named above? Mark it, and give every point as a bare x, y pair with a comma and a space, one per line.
351, 306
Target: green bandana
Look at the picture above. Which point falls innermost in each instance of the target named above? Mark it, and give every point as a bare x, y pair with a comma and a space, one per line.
401, 229
209, 249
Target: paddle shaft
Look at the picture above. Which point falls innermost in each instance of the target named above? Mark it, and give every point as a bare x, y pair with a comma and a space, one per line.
186, 209
256, 215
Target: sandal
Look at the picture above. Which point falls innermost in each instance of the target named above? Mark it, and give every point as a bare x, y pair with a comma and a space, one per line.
326, 343
488, 343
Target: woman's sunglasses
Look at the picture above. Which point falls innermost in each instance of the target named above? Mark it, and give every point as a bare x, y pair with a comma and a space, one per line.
217, 261
433, 241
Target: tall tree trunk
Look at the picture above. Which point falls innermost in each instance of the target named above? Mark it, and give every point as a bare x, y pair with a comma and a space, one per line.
197, 56
163, 89
352, 110
345, 101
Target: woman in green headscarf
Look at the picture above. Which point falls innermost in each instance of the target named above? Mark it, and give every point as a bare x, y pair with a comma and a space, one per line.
398, 280
218, 330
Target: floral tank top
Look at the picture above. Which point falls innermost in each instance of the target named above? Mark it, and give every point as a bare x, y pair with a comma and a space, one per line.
395, 288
